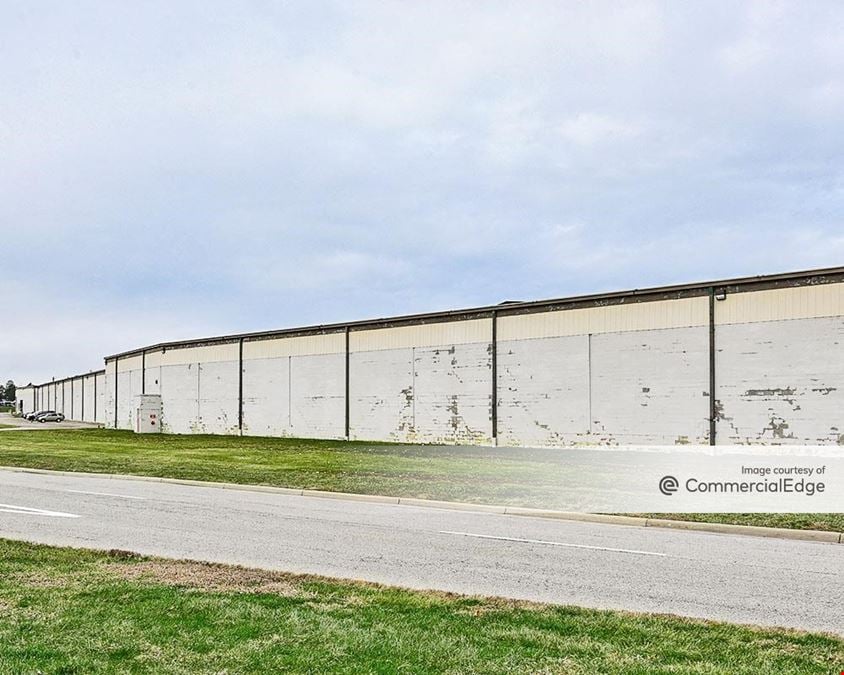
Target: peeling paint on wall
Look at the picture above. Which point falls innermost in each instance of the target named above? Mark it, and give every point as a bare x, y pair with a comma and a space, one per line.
780, 381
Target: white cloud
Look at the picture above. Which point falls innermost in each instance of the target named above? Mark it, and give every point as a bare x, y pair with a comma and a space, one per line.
745, 55
591, 128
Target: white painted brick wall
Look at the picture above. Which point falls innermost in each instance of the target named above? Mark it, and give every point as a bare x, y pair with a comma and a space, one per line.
543, 391
108, 396
77, 397
781, 381
295, 395
318, 396
644, 387
651, 387
180, 399
101, 398
128, 386
453, 393
58, 404
266, 399
218, 387
422, 394
88, 391
23, 395
381, 396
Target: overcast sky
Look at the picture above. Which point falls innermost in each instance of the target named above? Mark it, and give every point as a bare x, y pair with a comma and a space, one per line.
179, 169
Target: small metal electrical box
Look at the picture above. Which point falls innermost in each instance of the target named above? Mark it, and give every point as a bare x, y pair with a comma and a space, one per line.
148, 414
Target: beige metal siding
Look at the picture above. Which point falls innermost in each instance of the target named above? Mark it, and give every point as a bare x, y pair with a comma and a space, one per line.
425, 335
129, 363
654, 315
306, 345
204, 354
154, 359
781, 304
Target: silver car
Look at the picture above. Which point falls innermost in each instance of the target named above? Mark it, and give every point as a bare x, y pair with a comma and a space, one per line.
50, 417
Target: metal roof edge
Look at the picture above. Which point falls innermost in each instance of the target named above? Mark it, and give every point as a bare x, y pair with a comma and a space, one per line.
101, 371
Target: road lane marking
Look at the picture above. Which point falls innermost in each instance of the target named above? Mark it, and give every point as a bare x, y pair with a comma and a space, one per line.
104, 494
554, 543
28, 511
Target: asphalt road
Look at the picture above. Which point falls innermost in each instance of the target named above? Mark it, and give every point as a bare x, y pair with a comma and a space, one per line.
732, 578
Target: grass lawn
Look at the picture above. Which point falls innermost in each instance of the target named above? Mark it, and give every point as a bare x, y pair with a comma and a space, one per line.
467, 474
72, 611
7, 426
830, 522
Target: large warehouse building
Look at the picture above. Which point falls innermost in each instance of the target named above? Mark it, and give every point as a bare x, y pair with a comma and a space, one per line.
750, 360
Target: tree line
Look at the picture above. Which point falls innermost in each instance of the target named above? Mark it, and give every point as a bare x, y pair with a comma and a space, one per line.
8, 391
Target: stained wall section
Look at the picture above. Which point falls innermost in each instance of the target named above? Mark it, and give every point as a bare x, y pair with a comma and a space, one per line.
295, 386
619, 374
430, 383
780, 366
198, 388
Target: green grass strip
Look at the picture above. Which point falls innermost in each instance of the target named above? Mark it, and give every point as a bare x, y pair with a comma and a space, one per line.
70, 611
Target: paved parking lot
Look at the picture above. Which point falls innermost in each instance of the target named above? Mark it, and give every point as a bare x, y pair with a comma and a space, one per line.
20, 424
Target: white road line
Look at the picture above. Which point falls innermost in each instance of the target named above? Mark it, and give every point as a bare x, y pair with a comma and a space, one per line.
103, 494
555, 543
28, 511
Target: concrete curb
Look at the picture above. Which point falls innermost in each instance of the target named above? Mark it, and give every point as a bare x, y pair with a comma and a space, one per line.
630, 521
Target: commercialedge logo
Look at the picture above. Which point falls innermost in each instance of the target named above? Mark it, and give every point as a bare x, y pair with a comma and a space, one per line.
783, 485
668, 485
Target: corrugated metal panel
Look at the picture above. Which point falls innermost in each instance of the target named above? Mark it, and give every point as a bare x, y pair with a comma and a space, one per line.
801, 302
308, 345
682, 313
154, 359
207, 354
425, 335
129, 363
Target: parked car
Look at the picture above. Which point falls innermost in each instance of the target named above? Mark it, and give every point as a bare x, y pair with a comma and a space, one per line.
35, 413
50, 417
